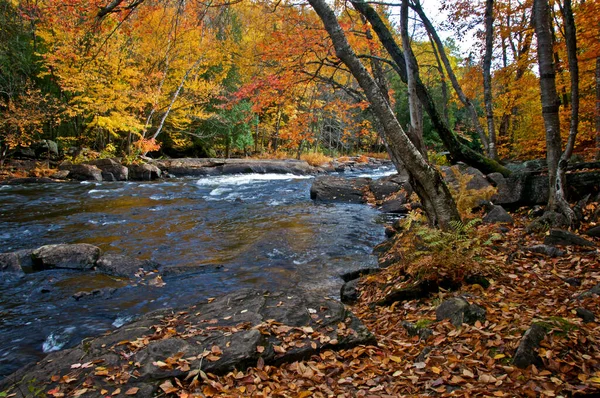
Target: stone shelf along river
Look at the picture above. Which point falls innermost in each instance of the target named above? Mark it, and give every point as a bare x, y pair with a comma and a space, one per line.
212, 235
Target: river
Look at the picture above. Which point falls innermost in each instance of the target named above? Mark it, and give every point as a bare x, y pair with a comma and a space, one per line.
221, 233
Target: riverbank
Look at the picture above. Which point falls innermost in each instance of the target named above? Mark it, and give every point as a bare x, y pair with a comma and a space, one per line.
534, 332
32, 171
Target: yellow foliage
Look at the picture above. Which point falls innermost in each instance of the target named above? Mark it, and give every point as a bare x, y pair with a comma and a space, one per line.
315, 158
466, 199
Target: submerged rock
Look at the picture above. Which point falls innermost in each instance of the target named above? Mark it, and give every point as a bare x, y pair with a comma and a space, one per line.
231, 332
120, 265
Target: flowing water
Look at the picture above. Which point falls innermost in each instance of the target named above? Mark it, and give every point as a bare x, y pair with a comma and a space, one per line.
219, 233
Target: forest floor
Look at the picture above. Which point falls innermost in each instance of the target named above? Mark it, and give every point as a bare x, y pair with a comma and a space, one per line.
471, 360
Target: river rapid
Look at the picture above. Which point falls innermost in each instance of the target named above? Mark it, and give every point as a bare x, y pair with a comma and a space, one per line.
218, 233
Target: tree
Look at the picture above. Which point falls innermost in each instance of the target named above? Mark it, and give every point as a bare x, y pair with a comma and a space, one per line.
458, 151
428, 182
550, 110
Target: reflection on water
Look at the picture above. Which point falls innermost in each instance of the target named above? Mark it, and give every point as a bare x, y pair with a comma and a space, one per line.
218, 233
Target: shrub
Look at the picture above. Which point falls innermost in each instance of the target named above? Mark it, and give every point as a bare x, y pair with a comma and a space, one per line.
315, 158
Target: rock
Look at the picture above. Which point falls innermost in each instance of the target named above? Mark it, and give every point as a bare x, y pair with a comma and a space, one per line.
237, 329
566, 238
17, 262
527, 352
23, 153
459, 311
397, 205
387, 186
573, 281
414, 330
594, 231
390, 231
105, 293
82, 172
497, 215
416, 291
143, 172
9, 262
80, 256
352, 275
119, 265
547, 250
586, 315
45, 149
339, 189
595, 289
61, 174
209, 166
478, 180
348, 293
106, 176
119, 172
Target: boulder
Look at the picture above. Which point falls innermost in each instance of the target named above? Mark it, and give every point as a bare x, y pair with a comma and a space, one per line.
9, 262
478, 180
120, 265
143, 172
385, 187
45, 149
566, 238
397, 205
110, 166
230, 333
349, 293
79, 256
82, 172
17, 262
497, 215
527, 352
23, 153
61, 174
460, 311
339, 189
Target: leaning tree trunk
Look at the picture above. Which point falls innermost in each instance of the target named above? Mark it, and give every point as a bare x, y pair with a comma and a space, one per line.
487, 78
458, 151
561, 179
549, 95
433, 192
457, 88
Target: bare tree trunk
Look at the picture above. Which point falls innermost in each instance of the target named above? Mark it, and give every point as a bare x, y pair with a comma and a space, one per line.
457, 88
443, 83
487, 78
174, 98
597, 108
561, 178
415, 131
458, 151
549, 96
433, 192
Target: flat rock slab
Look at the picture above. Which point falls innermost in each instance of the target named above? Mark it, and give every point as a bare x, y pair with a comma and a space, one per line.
566, 238
210, 166
224, 334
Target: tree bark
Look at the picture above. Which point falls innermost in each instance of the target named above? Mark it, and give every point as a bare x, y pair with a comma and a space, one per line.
458, 151
549, 96
443, 84
597, 108
433, 192
453, 79
487, 78
415, 130
561, 178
